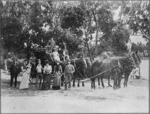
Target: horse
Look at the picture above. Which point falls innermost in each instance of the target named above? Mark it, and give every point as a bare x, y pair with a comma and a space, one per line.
81, 70
127, 65
106, 68
114, 67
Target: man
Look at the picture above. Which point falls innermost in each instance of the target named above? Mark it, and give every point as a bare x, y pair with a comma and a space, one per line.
39, 74
69, 70
14, 71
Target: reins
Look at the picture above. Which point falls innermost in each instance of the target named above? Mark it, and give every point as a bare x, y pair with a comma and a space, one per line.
98, 74
79, 72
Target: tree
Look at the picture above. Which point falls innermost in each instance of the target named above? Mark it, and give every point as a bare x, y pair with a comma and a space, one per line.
11, 25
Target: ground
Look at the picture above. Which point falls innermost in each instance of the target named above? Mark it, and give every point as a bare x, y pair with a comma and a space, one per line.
134, 98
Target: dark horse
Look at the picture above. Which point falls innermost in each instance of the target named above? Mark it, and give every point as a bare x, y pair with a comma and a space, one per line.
105, 68
81, 70
115, 68
127, 65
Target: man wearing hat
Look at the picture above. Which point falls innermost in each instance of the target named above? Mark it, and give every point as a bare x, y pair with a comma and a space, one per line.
68, 73
14, 71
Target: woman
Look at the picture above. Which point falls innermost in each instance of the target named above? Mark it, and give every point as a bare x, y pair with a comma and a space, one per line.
24, 84
57, 79
47, 74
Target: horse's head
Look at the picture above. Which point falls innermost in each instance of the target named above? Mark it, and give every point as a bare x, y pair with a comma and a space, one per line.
127, 64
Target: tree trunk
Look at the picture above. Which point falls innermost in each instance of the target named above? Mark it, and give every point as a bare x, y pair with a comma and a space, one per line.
86, 36
96, 38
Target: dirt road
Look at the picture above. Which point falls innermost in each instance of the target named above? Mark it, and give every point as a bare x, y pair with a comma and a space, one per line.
134, 98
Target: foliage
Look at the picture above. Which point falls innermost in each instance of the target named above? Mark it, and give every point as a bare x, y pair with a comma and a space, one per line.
136, 14
72, 17
76, 23
138, 47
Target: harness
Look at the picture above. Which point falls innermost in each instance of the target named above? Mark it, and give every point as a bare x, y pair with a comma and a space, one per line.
80, 72
119, 66
98, 74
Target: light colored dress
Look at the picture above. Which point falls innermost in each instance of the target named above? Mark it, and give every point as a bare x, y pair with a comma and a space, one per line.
24, 84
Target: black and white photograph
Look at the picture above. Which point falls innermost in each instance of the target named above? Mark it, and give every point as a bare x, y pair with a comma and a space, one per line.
74, 56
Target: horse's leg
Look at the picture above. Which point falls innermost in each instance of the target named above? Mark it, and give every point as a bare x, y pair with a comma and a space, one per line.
125, 80
109, 78
94, 84
102, 81
98, 81
119, 80
124, 83
115, 80
83, 84
91, 83
78, 83
114, 84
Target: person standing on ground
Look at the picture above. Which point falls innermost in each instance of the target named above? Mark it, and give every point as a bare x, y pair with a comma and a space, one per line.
47, 75
68, 73
57, 79
39, 74
14, 71
24, 84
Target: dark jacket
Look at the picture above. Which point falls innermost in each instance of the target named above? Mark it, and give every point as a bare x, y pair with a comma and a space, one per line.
14, 69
